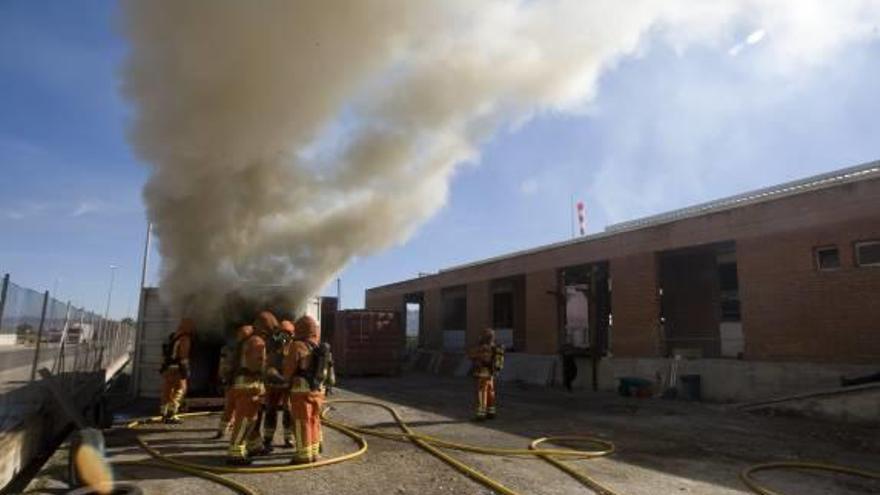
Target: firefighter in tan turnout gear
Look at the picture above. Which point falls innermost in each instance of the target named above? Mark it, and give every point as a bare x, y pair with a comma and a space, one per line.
176, 370
488, 360
308, 369
246, 391
229, 355
277, 389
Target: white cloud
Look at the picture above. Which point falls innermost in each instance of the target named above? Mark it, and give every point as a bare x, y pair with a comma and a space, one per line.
752, 39
756, 37
86, 207
25, 210
529, 187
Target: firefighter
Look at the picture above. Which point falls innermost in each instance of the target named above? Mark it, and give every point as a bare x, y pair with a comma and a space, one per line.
487, 359
265, 326
229, 355
246, 393
176, 370
277, 389
306, 393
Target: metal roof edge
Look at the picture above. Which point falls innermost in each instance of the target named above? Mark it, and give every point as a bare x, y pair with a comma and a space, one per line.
778, 191
791, 188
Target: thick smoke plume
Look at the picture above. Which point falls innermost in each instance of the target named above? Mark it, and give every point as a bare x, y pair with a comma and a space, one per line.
286, 137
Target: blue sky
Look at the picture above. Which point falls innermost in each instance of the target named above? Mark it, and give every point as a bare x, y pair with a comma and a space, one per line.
670, 127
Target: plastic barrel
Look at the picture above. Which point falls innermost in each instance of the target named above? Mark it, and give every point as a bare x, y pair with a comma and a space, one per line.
692, 387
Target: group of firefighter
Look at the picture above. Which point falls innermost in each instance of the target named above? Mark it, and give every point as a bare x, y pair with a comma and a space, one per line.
273, 369
282, 369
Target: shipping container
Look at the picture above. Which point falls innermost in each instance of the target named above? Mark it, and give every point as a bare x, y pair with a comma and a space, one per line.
367, 343
158, 323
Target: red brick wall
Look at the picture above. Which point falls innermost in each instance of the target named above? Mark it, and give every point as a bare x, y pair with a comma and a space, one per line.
792, 311
478, 305
520, 341
433, 308
788, 310
387, 302
542, 312
635, 306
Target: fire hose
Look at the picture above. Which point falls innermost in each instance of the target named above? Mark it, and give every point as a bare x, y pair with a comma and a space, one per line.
433, 445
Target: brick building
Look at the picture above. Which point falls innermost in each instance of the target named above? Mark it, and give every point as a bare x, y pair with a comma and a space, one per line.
772, 291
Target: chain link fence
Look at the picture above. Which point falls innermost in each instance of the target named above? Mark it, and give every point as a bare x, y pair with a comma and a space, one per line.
38, 331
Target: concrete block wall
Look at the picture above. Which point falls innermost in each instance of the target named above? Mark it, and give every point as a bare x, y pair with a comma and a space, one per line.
731, 380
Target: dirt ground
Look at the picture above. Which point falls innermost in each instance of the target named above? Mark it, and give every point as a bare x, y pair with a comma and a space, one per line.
663, 447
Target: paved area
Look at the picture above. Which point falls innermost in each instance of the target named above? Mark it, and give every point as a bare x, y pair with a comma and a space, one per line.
19, 355
663, 447
16, 363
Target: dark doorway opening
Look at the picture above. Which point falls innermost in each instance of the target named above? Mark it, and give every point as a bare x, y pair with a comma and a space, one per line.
508, 311
699, 302
585, 313
454, 317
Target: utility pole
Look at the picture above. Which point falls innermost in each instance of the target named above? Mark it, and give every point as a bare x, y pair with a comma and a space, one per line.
338, 293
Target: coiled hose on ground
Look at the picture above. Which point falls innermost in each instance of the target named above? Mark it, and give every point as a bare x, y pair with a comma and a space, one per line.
433, 445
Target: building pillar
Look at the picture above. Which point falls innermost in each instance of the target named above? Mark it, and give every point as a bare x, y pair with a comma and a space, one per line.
542, 312
432, 334
478, 311
635, 306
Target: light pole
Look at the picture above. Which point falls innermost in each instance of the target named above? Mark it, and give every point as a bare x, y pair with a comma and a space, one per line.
139, 329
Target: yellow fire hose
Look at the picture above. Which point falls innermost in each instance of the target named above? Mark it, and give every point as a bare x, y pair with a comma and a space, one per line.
746, 474
433, 445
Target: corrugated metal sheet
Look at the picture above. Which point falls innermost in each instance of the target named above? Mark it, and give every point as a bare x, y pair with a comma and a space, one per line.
157, 325
368, 343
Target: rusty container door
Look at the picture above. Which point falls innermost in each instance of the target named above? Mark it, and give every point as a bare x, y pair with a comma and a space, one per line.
368, 343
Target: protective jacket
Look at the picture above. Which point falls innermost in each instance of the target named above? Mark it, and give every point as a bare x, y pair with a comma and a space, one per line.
250, 363
176, 351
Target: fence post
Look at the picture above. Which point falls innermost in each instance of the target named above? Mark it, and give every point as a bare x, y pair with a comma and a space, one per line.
58, 367
77, 363
3, 297
39, 337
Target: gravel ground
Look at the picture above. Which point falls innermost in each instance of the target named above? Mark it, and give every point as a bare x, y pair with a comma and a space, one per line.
663, 447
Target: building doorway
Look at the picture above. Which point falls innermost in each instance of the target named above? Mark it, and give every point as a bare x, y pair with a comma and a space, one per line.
699, 302
585, 314
507, 298
454, 317
413, 314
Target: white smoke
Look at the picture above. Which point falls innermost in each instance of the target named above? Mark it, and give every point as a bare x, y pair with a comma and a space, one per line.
286, 137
